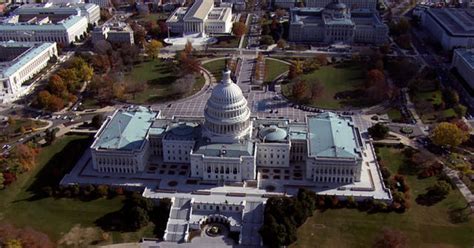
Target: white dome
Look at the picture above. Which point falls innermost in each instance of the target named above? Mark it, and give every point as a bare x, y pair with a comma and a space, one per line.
226, 113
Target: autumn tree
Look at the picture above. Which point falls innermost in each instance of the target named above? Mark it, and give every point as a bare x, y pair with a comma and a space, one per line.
153, 47
374, 76
281, 44
134, 87
296, 69
299, 90
317, 89
188, 48
55, 103
56, 85
239, 29
43, 98
2, 180
184, 84
448, 134
26, 155
322, 59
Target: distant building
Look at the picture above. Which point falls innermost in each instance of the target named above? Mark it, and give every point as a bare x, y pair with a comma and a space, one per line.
351, 4
19, 62
44, 30
201, 17
102, 3
63, 1
336, 24
114, 31
451, 27
59, 11
463, 62
284, 4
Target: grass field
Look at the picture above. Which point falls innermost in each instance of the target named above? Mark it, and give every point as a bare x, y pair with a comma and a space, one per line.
227, 41
347, 79
216, 67
424, 104
424, 226
273, 69
159, 77
20, 207
151, 17
394, 114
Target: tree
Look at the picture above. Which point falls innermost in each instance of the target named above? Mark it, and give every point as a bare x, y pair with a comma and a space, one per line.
267, 40
188, 48
374, 77
391, 239
282, 44
299, 90
448, 134
440, 189
26, 155
102, 190
239, 29
378, 131
2, 180
11, 120
460, 110
133, 87
97, 120
322, 59
153, 47
56, 85
184, 84
317, 89
296, 69
55, 103
50, 136
44, 98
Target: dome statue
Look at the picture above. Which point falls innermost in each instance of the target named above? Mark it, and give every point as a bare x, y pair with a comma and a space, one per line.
227, 116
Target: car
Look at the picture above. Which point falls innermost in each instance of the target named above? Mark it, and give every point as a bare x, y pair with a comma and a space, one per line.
271, 111
6, 147
21, 139
65, 117
276, 111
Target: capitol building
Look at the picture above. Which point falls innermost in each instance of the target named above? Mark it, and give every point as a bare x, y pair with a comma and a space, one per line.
228, 144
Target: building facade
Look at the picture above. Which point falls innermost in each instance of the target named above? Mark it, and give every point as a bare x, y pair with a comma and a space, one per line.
463, 62
336, 24
201, 17
351, 4
451, 27
43, 30
114, 32
19, 62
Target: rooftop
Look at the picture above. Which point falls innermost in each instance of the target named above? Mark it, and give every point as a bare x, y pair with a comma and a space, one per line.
126, 130
332, 135
199, 10
29, 50
467, 55
455, 21
225, 150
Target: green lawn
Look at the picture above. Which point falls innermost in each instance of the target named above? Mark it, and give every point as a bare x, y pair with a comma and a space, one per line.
20, 206
424, 226
227, 41
424, 104
151, 17
159, 78
273, 69
347, 79
394, 114
216, 67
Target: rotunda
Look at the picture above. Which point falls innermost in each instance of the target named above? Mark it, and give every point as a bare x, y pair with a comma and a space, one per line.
227, 116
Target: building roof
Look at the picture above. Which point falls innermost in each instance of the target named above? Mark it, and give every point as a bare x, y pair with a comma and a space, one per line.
467, 55
235, 150
273, 133
9, 68
199, 10
61, 25
331, 135
126, 130
455, 21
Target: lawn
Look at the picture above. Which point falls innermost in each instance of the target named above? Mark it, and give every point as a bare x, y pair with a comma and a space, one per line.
216, 67
345, 79
20, 206
395, 115
27, 124
425, 103
151, 17
227, 41
273, 69
424, 226
159, 78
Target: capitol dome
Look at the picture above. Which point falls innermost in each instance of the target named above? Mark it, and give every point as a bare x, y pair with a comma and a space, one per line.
226, 114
